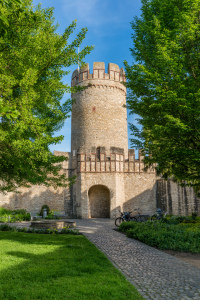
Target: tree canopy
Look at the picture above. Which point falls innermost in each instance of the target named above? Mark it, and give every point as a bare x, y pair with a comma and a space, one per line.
164, 87
33, 60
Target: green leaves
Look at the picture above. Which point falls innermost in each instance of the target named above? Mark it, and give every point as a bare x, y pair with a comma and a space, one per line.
8, 112
4, 23
164, 87
33, 60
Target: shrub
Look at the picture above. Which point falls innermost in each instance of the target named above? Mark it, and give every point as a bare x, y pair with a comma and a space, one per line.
6, 227
22, 229
19, 211
17, 215
194, 215
65, 230
181, 237
51, 216
127, 225
4, 211
43, 207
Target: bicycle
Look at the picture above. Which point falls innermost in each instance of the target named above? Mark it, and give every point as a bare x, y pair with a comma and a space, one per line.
139, 217
159, 214
125, 217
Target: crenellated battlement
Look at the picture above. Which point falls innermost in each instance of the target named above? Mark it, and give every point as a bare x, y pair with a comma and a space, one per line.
114, 73
113, 162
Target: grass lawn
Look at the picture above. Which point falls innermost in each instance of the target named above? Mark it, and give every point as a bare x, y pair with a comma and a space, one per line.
39, 266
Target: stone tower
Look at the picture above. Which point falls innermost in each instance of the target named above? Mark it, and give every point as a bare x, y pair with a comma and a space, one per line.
98, 116
99, 145
99, 142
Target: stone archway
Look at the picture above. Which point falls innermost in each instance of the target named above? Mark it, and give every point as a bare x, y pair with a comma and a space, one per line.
99, 202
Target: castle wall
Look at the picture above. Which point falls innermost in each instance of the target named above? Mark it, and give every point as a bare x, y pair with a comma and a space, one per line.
34, 197
140, 192
127, 191
111, 161
175, 199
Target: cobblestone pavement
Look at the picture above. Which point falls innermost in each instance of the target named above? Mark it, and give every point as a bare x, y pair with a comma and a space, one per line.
155, 274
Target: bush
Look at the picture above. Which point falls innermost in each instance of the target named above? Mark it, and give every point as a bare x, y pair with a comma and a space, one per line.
194, 215
6, 227
19, 212
43, 207
181, 237
175, 220
4, 211
16, 217
51, 216
65, 230
127, 225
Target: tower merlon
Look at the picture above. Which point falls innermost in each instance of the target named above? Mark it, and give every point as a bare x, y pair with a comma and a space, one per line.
114, 73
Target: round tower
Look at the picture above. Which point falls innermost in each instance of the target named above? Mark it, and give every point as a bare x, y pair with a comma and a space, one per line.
99, 118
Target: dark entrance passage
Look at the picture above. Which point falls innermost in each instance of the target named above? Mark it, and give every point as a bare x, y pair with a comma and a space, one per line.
99, 202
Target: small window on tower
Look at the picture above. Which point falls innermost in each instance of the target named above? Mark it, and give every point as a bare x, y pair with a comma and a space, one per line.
94, 109
98, 153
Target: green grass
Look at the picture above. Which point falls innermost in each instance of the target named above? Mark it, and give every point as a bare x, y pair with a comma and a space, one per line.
36, 266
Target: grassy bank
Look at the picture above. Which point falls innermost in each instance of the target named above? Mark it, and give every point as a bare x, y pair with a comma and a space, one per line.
42, 266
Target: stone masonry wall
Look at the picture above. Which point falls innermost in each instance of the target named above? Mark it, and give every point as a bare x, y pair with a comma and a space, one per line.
127, 191
175, 199
34, 197
140, 192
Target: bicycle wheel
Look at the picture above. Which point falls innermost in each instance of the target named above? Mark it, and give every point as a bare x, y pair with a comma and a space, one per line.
154, 218
118, 221
133, 219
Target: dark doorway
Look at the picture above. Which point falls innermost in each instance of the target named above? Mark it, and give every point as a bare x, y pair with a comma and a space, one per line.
99, 202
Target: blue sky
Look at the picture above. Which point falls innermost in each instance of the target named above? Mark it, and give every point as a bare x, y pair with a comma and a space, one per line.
109, 30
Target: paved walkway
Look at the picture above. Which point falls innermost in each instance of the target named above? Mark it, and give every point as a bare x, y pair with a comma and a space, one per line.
155, 274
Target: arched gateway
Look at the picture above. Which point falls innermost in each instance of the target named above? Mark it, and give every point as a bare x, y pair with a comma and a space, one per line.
99, 202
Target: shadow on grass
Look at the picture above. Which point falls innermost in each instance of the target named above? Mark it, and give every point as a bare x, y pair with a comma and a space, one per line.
57, 267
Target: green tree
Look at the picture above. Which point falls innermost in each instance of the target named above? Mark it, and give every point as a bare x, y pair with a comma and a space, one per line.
164, 87
33, 60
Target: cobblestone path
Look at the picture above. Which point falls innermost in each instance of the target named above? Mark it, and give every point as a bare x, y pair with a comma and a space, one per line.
155, 274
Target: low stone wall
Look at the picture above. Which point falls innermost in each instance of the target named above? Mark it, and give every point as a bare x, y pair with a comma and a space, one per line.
52, 224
